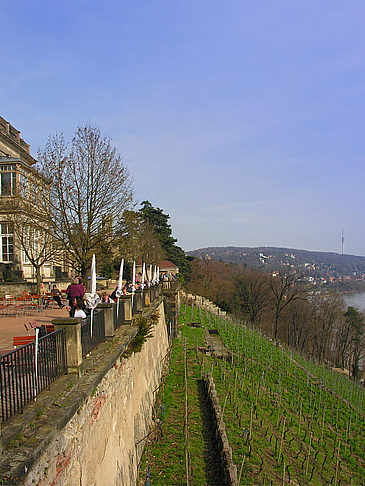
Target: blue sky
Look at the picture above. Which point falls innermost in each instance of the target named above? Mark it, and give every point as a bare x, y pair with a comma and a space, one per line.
243, 120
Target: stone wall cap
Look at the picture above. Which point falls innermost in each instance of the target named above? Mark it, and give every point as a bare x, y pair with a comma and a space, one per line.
105, 305
66, 321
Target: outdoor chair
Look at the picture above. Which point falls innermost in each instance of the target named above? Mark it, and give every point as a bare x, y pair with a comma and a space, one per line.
10, 303
3, 307
50, 328
22, 340
49, 302
20, 307
37, 303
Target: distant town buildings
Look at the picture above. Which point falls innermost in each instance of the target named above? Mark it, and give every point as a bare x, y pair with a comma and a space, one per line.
316, 268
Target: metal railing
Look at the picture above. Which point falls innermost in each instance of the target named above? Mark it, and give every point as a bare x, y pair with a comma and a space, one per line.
20, 382
90, 338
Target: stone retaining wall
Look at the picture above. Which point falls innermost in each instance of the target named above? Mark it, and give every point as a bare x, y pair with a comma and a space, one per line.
19, 288
202, 302
97, 445
228, 465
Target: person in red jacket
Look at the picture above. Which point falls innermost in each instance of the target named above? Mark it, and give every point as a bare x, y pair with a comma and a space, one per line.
75, 290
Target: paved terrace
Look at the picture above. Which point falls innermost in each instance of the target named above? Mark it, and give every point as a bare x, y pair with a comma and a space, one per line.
25, 436
11, 326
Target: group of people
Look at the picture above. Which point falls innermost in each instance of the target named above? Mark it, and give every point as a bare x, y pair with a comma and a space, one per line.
76, 295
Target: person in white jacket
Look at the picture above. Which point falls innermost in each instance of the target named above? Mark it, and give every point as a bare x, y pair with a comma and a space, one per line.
79, 312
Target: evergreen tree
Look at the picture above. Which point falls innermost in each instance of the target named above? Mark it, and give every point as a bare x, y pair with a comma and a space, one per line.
159, 222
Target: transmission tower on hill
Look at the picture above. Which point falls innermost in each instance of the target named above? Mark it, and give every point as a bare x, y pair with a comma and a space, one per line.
342, 241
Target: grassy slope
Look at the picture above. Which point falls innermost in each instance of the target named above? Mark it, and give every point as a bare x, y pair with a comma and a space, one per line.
166, 456
318, 434
300, 415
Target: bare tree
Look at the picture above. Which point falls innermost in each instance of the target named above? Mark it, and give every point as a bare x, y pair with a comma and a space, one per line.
215, 281
90, 189
327, 316
350, 341
31, 222
251, 291
298, 317
284, 290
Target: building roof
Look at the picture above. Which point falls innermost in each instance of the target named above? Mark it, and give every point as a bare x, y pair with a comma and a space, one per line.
167, 264
11, 144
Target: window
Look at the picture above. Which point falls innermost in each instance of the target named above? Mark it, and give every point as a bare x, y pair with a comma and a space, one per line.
23, 185
8, 183
7, 168
34, 243
26, 243
7, 243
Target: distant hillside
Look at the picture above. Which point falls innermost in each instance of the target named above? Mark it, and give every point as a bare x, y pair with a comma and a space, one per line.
314, 265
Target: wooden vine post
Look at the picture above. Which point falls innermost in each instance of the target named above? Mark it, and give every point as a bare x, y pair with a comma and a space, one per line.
251, 420
309, 450
324, 414
281, 441
186, 418
242, 464
337, 461
300, 418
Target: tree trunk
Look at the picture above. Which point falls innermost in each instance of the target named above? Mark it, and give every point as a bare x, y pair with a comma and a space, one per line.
38, 279
276, 323
83, 270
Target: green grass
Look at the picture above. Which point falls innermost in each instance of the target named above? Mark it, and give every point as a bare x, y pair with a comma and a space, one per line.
292, 406
166, 456
283, 393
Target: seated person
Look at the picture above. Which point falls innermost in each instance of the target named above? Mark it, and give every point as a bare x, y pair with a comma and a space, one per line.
79, 312
42, 328
113, 295
77, 302
56, 295
105, 299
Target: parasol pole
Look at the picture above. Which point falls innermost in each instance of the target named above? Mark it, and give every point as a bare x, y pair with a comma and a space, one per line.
91, 322
143, 275
133, 282
120, 283
93, 290
36, 361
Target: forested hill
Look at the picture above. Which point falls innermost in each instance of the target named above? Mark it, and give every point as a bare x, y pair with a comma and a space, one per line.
324, 265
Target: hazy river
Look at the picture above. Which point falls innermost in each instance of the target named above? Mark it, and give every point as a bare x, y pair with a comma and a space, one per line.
356, 300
